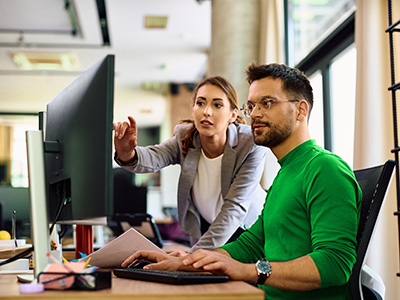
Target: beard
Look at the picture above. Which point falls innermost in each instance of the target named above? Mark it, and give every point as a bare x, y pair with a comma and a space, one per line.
275, 135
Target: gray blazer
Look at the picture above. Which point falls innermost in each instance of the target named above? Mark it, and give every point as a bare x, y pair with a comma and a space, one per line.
242, 167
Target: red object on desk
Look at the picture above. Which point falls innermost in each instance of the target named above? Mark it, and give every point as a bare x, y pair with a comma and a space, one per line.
84, 240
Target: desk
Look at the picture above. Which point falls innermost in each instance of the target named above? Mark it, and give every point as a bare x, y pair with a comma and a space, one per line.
140, 290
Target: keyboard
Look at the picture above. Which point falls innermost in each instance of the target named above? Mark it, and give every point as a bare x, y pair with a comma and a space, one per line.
172, 277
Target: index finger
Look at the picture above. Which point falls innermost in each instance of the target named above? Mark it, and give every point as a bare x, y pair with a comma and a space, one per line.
132, 122
195, 257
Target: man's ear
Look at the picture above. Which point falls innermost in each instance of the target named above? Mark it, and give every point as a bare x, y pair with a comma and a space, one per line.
302, 109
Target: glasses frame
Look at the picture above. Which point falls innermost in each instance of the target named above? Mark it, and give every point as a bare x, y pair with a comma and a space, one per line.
247, 110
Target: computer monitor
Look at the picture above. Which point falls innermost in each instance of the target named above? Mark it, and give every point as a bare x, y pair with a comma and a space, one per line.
79, 125
15, 199
70, 172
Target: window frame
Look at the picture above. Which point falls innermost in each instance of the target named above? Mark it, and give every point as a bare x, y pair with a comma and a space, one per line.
320, 58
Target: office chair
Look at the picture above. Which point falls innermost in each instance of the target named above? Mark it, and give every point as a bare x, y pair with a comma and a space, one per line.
128, 198
144, 223
130, 208
374, 183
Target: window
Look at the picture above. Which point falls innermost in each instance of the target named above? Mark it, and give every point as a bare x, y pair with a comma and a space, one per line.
309, 22
316, 123
14, 146
343, 101
322, 46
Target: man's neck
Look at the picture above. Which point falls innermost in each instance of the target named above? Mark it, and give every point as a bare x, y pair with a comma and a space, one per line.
289, 144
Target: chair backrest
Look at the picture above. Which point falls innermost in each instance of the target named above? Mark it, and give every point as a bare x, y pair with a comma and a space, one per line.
144, 223
130, 208
128, 198
373, 182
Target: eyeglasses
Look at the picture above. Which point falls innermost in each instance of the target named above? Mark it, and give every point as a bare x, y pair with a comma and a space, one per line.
263, 104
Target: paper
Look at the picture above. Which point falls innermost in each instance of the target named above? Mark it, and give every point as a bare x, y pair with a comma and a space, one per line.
115, 252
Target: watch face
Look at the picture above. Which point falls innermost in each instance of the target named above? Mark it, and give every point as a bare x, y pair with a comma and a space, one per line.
264, 266
263, 270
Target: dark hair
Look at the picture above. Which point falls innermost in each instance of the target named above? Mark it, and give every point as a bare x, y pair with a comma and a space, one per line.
228, 89
295, 82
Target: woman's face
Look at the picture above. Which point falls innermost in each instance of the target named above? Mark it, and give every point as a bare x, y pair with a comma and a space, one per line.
212, 111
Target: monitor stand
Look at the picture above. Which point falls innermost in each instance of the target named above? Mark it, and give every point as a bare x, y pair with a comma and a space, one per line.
84, 240
37, 192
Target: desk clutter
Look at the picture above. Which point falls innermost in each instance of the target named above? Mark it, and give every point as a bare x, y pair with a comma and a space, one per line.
15, 259
87, 279
73, 275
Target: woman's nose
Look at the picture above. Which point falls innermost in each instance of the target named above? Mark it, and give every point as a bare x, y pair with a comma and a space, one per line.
207, 110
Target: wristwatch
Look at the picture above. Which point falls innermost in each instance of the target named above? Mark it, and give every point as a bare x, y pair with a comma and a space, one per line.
263, 270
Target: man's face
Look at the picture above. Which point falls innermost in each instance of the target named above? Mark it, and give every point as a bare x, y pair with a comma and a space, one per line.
274, 125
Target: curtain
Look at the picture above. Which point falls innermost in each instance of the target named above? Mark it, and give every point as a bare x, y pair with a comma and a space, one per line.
272, 46
272, 35
6, 142
374, 129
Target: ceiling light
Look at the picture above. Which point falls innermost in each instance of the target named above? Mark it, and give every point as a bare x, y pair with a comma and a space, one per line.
45, 61
159, 22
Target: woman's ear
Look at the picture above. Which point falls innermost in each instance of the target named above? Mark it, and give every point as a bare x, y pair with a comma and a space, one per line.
303, 108
234, 114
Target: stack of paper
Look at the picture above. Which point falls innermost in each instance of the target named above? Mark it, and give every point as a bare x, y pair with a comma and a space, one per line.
115, 252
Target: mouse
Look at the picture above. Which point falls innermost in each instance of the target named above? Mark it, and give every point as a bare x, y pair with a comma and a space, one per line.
139, 264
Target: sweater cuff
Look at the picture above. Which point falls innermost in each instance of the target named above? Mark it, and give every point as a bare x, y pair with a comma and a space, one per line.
121, 163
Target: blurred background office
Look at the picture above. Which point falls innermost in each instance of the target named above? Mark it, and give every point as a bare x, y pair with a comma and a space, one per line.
164, 47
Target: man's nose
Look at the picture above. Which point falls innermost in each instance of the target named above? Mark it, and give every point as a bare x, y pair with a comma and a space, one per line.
256, 112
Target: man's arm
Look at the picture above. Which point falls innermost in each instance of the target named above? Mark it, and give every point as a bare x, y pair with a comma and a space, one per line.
300, 274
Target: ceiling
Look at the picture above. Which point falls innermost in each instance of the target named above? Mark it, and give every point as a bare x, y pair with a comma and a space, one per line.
146, 60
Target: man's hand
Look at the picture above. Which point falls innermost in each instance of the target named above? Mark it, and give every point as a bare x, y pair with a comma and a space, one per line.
125, 139
219, 262
178, 253
161, 261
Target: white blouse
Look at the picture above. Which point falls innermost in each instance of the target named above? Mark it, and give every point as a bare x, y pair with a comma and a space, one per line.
206, 191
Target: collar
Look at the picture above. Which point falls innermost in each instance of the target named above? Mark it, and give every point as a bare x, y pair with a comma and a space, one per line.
296, 152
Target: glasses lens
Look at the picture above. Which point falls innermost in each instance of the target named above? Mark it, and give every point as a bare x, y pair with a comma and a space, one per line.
245, 111
265, 104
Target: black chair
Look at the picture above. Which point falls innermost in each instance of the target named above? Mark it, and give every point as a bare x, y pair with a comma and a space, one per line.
144, 223
374, 183
130, 208
128, 198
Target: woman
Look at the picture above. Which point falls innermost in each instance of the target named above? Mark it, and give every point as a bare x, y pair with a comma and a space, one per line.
218, 191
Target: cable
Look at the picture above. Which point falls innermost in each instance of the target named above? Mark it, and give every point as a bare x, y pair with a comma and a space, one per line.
16, 257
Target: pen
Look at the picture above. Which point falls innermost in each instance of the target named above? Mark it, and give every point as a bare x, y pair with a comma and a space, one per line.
13, 221
87, 262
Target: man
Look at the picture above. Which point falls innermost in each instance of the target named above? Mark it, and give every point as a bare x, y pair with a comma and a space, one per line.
303, 245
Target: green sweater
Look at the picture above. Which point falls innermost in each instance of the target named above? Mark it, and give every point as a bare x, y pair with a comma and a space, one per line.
311, 208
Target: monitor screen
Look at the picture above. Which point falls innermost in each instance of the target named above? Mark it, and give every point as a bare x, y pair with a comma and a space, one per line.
15, 199
78, 165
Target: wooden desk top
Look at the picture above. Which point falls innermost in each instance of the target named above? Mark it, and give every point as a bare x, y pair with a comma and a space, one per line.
142, 290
